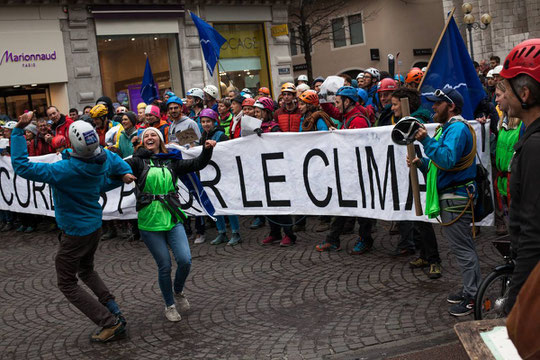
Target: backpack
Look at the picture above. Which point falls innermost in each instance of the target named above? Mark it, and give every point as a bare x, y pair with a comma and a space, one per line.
484, 201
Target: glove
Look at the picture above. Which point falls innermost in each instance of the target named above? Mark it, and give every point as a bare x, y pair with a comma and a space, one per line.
258, 131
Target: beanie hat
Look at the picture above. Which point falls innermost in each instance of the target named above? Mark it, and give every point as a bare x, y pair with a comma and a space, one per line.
153, 110
239, 99
154, 130
132, 117
141, 105
32, 128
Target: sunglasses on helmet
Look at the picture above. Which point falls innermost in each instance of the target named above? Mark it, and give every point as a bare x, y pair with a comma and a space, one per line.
440, 93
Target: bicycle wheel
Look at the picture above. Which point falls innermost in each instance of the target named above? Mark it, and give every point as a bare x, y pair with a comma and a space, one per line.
492, 295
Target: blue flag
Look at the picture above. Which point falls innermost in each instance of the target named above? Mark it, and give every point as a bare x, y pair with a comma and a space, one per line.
149, 91
211, 42
452, 67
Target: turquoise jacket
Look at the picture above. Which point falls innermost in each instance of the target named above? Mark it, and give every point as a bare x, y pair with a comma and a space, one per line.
76, 184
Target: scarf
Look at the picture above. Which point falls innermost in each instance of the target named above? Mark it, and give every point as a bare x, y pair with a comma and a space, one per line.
310, 121
192, 183
433, 207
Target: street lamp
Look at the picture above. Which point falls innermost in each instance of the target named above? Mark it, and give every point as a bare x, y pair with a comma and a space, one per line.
468, 19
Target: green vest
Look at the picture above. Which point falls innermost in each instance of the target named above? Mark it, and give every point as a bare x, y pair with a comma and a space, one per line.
503, 155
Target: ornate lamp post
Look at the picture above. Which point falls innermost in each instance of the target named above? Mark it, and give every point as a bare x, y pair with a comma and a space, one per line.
468, 19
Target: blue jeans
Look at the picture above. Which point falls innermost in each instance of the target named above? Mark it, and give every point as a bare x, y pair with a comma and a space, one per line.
157, 241
233, 221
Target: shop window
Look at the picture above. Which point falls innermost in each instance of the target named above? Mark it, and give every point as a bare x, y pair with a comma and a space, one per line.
296, 41
122, 60
347, 31
243, 62
294, 49
15, 101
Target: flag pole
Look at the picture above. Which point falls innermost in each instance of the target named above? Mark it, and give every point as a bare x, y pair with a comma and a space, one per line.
205, 79
450, 16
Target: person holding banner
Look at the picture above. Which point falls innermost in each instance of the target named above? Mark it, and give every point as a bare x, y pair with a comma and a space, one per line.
236, 125
77, 182
451, 170
160, 218
521, 74
179, 122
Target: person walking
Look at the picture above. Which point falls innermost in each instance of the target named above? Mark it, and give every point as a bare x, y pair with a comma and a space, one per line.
77, 181
160, 218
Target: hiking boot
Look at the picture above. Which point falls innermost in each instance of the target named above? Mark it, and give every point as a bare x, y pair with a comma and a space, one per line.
181, 300
256, 224
171, 314
111, 333
501, 230
418, 263
299, 228
21, 228
323, 226
455, 298
199, 239
464, 308
269, 240
362, 246
434, 271
326, 246
235, 239
221, 238
403, 252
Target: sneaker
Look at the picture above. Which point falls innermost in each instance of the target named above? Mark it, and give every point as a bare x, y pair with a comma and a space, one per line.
181, 300
171, 314
235, 239
403, 252
111, 333
362, 246
29, 229
269, 240
221, 238
418, 264
434, 271
199, 239
257, 223
21, 228
465, 307
323, 226
326, 246
455, 298
286, 241
299, 228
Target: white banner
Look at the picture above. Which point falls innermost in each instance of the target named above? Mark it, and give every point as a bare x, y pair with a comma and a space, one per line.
347, 173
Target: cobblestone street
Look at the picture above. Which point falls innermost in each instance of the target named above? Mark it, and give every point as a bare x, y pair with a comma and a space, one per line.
247, 301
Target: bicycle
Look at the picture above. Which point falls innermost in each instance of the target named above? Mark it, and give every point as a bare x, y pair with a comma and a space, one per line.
493, 291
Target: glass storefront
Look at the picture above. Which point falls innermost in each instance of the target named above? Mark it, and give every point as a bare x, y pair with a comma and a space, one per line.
15, 100
243, 62
122, 60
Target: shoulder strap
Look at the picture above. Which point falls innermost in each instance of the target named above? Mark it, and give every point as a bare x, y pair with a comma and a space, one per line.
357, 115
468, 159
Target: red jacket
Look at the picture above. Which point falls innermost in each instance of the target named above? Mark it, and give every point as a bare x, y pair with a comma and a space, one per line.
361, 116
288, 120
38, 146
62, 128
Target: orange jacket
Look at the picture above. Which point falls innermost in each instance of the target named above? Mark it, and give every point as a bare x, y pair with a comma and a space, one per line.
288, 120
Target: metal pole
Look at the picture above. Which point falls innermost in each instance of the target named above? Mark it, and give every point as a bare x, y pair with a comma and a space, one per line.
469, 27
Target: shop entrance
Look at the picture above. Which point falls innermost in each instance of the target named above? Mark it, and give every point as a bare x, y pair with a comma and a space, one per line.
15, 100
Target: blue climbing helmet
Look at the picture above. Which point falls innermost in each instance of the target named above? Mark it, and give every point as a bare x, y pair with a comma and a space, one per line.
176, 100
362, 94
399, 78
348, 91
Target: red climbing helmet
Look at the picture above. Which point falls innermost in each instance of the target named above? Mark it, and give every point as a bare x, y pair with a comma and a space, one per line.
523, 59
387, 84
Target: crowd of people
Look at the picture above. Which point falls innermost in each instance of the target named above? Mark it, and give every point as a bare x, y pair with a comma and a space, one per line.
110, 134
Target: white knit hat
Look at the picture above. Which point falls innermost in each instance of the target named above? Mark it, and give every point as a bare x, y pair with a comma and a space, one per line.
156, 131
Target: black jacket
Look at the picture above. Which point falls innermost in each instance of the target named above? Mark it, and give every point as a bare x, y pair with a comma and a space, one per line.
525, 208
180, 167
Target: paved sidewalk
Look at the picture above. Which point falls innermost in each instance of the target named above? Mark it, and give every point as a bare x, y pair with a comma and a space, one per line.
248, 301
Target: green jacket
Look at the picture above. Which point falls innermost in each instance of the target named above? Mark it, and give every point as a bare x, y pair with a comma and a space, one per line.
125, 147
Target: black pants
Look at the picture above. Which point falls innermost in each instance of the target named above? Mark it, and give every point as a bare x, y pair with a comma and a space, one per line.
277, 222
338, 223
427, 242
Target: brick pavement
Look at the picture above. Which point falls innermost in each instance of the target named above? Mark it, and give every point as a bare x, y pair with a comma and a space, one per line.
248, 301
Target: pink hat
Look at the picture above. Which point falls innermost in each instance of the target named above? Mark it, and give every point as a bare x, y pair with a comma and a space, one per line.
153, 110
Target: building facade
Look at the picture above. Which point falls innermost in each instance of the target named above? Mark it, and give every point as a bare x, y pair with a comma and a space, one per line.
69, 55
513, 21
364, 32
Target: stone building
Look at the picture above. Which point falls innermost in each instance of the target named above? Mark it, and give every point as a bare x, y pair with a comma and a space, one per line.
70, 52
512, 22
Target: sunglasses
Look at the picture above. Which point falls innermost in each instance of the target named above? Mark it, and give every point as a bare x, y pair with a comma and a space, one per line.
440, 93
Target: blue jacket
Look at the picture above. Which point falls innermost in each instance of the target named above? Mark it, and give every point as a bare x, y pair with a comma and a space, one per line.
455, 142
320, 125
76, 184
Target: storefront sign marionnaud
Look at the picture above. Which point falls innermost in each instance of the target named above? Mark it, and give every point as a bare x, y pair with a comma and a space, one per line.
32, 58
